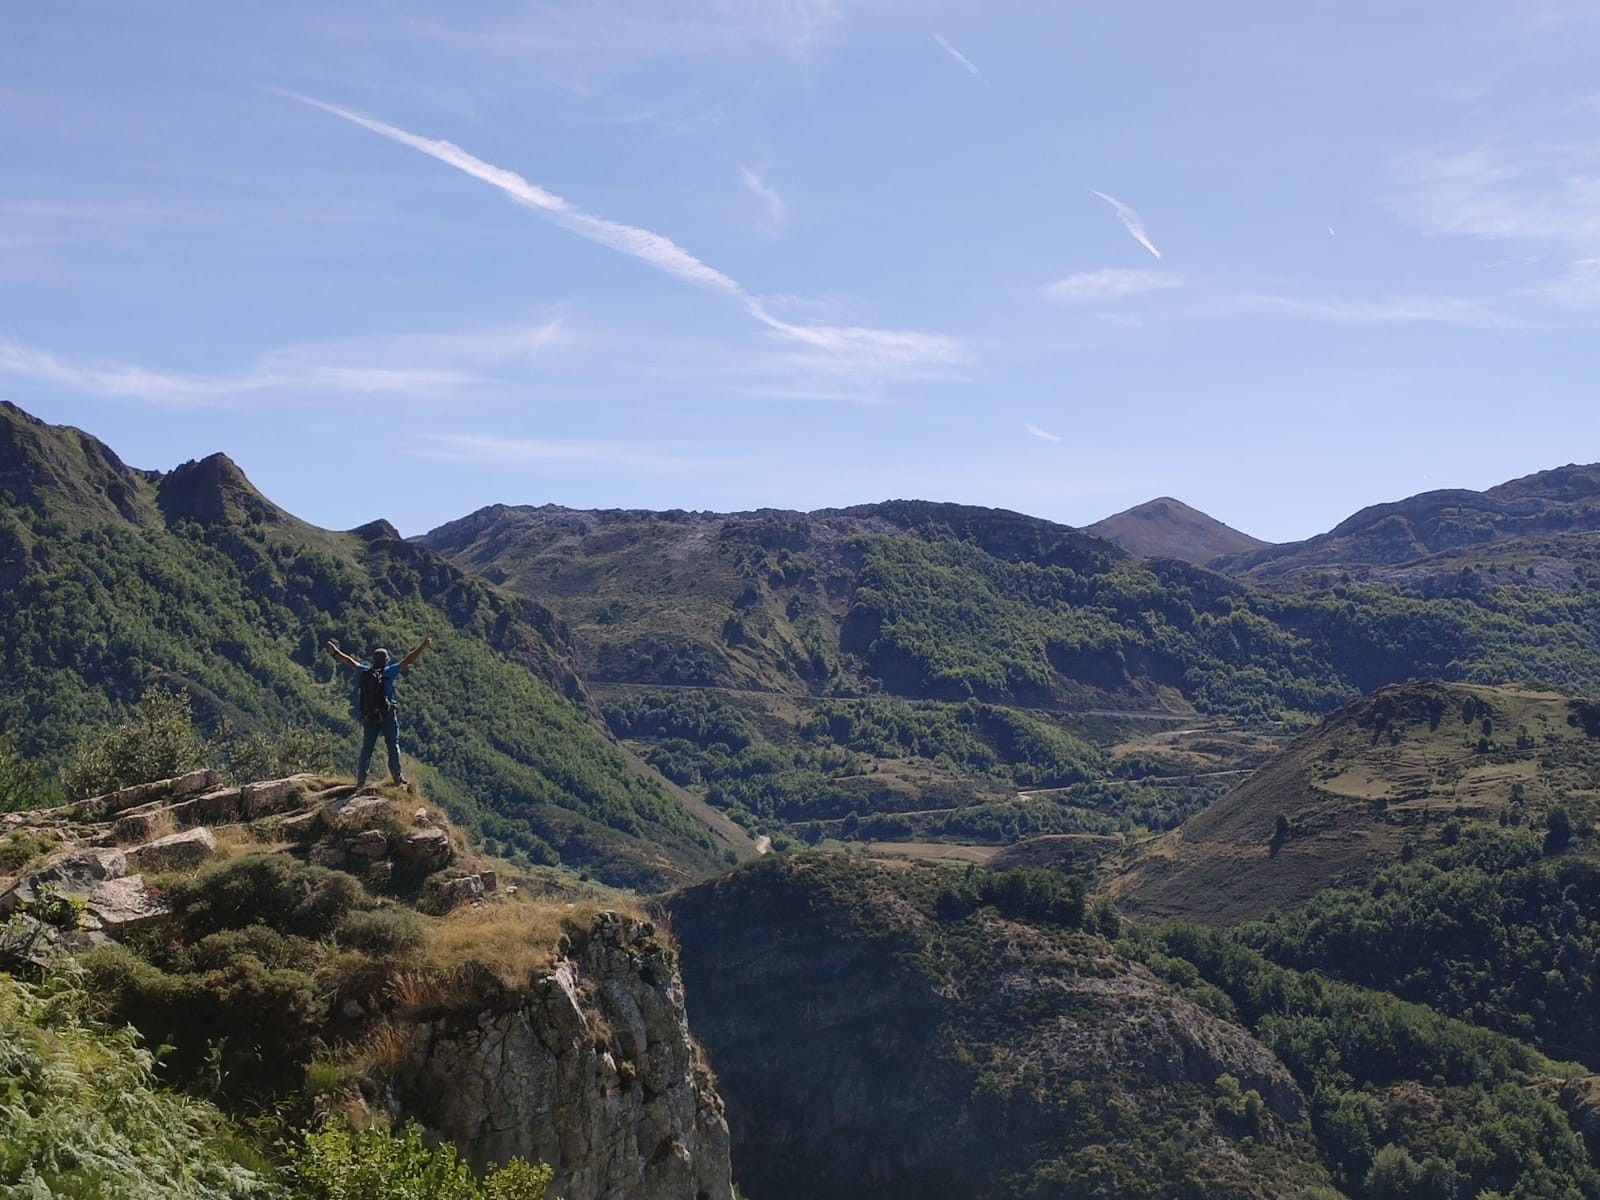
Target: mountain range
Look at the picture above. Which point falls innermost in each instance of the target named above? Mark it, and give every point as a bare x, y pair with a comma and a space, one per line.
1272, 876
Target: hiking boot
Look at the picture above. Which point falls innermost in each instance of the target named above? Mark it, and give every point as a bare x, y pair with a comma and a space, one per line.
401, 781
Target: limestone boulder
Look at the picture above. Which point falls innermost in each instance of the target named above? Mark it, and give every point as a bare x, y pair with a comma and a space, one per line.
220, 806
426, 850
74, 875
269, 797
359, 807
175, 852
165, 790
369, 844
462, 890
126, 903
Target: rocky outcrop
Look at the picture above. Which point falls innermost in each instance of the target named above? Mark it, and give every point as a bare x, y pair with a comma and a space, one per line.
175, 852
593, 1072
71, 876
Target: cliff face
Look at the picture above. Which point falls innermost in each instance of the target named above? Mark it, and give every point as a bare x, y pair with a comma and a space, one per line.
590, 1068
868, 1048
595, 1074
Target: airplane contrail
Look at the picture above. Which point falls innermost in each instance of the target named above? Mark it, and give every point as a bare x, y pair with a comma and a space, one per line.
1130, 221
884, 346
960, 58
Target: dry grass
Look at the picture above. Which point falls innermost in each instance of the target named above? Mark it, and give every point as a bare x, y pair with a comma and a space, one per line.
234, 840
934, 851
513, 939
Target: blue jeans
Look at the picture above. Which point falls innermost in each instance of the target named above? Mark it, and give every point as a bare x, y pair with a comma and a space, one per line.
390, 728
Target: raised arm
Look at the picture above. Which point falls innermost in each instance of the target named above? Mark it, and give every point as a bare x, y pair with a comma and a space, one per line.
333, 649
405, 663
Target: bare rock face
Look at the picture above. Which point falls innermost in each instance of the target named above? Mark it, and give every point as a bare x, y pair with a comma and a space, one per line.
427, 849
175, 852
594, 1073
119, 904
72, 876
102, 807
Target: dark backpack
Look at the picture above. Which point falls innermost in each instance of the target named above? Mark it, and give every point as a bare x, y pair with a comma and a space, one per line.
374, 699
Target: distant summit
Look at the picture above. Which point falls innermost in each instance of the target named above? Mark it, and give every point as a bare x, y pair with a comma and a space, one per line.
1168, 528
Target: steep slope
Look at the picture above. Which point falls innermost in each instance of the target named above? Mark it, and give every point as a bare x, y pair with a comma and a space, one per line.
869, 1047
1543, 522
194, 580
301, 945
1168, 528
1411, 765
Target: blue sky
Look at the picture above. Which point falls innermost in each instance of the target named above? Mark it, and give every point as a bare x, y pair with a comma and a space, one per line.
1277, 260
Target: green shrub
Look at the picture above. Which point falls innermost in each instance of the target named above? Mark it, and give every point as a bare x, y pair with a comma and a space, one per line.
337, 1163
388, 932
294, 749
265, 889
240, 1030
82, 1117
158, 743
22, 786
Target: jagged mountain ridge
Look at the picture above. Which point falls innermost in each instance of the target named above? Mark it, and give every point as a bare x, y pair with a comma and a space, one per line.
1168, 528
113, 578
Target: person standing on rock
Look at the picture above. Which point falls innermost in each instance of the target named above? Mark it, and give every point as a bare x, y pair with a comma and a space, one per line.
377, 704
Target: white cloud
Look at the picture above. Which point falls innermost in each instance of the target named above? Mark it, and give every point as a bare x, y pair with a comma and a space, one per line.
855, 346
1035, 431
961, 58
1543, 194
496, 448
1110, 284
776, 209
1131, 221
420, 365
1399, 310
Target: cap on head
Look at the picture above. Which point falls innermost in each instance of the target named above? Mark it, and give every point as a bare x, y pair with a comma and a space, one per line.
380, 657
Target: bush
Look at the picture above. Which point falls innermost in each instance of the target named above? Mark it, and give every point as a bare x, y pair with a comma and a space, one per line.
158, 743
236, 1028
21, 786
82, 1116
294, 749
337, 1163
265, 889
389, 932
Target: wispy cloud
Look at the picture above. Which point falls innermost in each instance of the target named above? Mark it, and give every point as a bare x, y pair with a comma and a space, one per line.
421, 365
1398, 310
961, 58
622, 33
1035, 431
877, 349
1131, 221
777, 210
496, 448
1110, 284
1549, 193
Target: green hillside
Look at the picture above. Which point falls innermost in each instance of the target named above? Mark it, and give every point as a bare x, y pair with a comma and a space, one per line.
115, 578
946, 602
915, 673
904, 1031
1408, 771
